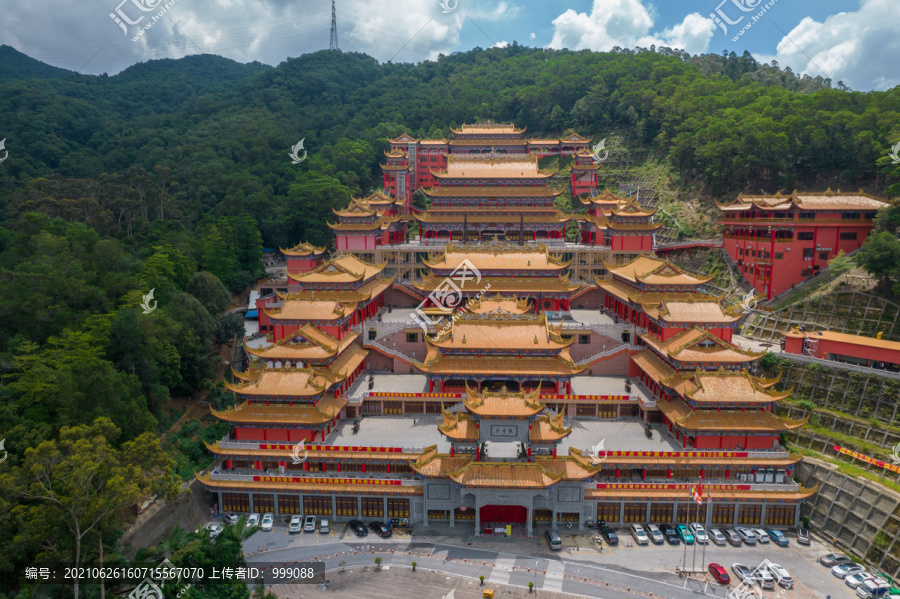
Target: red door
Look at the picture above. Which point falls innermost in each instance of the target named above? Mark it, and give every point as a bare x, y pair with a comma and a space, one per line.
508, 514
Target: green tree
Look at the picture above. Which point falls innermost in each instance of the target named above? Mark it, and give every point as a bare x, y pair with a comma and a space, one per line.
880, 256
218, 256
210, 291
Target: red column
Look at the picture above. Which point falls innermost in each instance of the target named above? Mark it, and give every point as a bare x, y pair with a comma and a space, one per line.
388, 468
478, 453
617, 473
306, 466
554, 452
324, 467
452, 451
363, 468
529, 453
727, 473
668, 473
702, 472
684, 442
338, 466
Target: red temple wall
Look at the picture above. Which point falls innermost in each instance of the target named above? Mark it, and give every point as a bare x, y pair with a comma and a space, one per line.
244, 433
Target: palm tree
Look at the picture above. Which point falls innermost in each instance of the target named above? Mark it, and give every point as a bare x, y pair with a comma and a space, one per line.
174, 540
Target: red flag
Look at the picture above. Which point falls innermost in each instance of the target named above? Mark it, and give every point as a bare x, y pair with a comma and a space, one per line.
697, 493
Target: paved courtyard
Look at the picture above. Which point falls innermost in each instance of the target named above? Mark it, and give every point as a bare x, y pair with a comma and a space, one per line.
618, 435
411, 432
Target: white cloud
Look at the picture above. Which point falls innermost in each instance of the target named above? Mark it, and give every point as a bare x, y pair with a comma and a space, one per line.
859, 48
532, 35
627, 23
501, 44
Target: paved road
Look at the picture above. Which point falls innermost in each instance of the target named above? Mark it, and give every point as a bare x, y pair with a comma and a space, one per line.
582, 569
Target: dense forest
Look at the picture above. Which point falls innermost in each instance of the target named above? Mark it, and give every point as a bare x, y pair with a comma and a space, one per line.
173, 175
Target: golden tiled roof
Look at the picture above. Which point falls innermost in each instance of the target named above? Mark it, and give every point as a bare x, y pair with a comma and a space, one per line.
811, 201
341, 268
553, 216
403, 138
459, 427
516, 475
725, 421
605, 198
435, 465
547, 428
324, 411
845, 338
311, 309
530, 285
486, 128
652, 271
561, 365
303, 249
504, 141
280, 382
499, 256
632, 209
517, 404
486, 304
382, 223
499, 330
614, 226
727, 387
574, 138
347, 362
508, 166
649, 299
572, 467
511, 191
653, 365
703, 309
316, 483
698, 345
307, 343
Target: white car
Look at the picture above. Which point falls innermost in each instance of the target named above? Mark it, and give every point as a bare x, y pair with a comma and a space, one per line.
231, 518
214, 530
764, 578
699, 533
296, 524
640, 537
253, 520
844, 570
854, 580
761, 535
781, 576
716, 536
268, 522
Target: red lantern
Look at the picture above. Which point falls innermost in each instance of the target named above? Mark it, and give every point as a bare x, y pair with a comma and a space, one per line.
462, 508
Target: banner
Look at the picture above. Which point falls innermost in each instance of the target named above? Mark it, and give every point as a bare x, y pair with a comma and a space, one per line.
672, 454
332, 448
668, 487
867, 459
424, 395
327, 481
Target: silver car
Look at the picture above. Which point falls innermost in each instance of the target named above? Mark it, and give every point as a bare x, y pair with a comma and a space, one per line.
716, 536
295, 525
268, 522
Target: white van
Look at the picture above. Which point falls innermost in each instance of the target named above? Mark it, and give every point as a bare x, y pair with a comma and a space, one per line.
553, 540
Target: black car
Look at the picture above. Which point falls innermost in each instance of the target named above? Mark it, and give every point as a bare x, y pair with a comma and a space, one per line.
358, 527
610, 535
670, 533
381, 529
733, 538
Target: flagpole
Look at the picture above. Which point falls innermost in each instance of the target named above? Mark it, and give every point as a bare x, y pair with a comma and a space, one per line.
696, 542
709, 501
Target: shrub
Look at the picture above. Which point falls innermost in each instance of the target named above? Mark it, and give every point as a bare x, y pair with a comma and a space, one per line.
807, 404
414, 566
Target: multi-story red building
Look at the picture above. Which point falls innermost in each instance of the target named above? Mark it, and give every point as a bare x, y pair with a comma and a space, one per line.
871, 352
778, 241
617, 223
368, 223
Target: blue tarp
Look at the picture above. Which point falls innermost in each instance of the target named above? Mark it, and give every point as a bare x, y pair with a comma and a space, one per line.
252, 314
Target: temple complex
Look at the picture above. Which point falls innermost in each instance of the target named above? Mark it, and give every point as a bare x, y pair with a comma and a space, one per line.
475, 381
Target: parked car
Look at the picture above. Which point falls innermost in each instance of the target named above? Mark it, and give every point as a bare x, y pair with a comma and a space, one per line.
844, 570
854, 580
324, 526
309, 524
761, 535
781, 576
733, 538
684, 534
716, 536
295, 525
640, 536
743, 572
358, 527
764, 578
253, 520
719, 574
802, 536
699, 533
215, 529
231, 518
834, 559
655, 534
670, 534
875, 588
268, 522
778, 537
610, 535
554, 541
746, 536
380, 528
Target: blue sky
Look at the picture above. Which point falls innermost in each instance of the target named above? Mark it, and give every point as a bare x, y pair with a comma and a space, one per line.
857, 41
